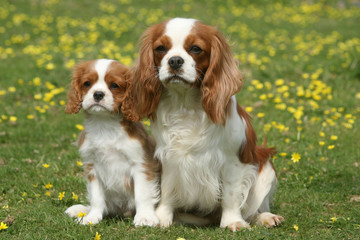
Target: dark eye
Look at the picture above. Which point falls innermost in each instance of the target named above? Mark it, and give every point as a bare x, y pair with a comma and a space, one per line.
195, 49
161, 49
114, 86
87, 84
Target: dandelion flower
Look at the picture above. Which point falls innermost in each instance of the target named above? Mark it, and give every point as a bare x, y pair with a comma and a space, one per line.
45, 165
334, 138
97, 236
79, 127
321, 143
48, 193
79, 163
331, 147
12, 89
81, 214
249, 109
283, 154
146, 122
61, 195
260, 115
295, 157
48, 186
2, 92
322, 134
296, 227
37, 81
13, 119
333, 219
30, 116
74, 196
38, 96
62, 102
3, 226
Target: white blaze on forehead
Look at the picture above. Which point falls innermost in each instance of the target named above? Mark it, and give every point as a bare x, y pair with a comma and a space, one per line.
101, 67
178, 29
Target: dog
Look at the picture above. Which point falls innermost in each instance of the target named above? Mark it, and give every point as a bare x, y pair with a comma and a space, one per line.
185, 81
122, 175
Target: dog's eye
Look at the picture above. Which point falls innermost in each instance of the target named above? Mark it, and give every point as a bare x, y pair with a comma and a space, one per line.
195, 49
161, 49
87, 84
114, 86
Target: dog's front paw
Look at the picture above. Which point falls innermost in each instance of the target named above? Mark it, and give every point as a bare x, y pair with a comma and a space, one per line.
91, 218
73, 211
146, 219
237, 226
165, 216
269, 220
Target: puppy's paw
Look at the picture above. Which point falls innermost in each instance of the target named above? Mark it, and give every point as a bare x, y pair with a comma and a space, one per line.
269, 220
91, 218
73, 211
165, 216
237, 226
146, 219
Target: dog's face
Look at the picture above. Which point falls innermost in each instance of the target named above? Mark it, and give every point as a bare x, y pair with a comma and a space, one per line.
182, 53
190, 53
98, 86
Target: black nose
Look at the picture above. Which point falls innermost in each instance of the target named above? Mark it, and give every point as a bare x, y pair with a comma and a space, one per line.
176, 62
98, 95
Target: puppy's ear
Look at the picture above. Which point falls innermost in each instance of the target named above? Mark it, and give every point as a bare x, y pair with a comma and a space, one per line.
128, 106
222, 79
74, 95
146, 87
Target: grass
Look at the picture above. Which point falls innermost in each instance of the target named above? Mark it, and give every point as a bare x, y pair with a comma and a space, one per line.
302, 87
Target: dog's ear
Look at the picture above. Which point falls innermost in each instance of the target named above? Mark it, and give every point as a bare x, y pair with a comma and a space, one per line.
146, 86
222, 79
74, 95
128, 106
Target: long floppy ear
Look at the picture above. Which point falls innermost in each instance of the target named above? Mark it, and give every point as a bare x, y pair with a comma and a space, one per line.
74, 96
128, 106
222, 80
146, 87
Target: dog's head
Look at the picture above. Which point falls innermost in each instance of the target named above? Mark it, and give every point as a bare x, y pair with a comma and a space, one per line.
190, 53
98, 86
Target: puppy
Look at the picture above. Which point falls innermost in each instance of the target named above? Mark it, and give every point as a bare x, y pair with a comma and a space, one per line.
185, 81
122, 175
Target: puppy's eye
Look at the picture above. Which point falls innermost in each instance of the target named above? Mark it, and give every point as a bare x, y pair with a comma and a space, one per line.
161, 49
114, 86
87, 84
195, 50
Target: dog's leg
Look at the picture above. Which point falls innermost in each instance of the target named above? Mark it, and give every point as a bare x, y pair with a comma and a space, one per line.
145, 199
74, 210
237, 181
97, 201
258, 203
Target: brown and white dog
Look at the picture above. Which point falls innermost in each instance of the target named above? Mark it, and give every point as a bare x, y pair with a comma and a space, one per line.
185, 81
122, 175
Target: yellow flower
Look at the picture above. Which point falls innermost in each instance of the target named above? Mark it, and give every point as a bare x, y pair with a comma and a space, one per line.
13, 119
97, 236
283, 154
45, 165
3, 226
79, 163
321, 143
279, 82
358, 95
74, 196
48, 193
260, 115
81, 214
146, 122
24, 194
322, 134
50, 66
296, 227
38, 96
48, 186
334, 138
249, 109
331, 147
295, 157
287, 140
2, 92
61, 195
79, 127
37, 81
12, 89
333, 219
30, 116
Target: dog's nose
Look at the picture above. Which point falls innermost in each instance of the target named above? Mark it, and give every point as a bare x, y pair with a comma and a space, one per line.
176, 62
98, 95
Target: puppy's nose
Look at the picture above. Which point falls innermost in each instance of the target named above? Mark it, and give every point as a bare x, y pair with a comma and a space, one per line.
98, 95
176, 62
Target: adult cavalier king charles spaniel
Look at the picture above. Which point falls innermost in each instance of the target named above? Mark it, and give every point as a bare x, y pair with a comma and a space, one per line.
122, 175
212, 170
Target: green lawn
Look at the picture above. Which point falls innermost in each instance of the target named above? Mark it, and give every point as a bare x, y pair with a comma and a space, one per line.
302, 87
